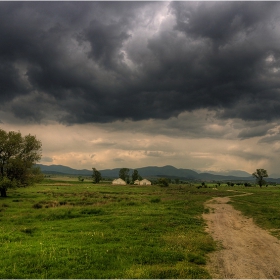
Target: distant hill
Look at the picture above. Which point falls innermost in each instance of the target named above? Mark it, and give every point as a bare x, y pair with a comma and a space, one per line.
61, 169
167, 170
274, 175
152, 171
237, 173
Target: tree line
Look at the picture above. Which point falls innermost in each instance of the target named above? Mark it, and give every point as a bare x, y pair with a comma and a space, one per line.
259, 174
123, 174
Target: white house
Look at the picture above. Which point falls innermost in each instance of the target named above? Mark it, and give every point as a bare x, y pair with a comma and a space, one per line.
136, 182
119, 181
145, 182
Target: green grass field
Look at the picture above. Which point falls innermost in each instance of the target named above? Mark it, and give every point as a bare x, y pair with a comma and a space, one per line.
69, 229
263, 206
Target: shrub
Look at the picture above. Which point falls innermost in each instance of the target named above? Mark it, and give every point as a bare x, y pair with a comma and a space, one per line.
37, 206
163, 182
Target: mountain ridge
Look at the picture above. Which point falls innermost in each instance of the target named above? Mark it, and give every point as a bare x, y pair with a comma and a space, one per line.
151, 171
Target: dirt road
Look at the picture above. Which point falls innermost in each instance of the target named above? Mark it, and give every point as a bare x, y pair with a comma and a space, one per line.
247, 250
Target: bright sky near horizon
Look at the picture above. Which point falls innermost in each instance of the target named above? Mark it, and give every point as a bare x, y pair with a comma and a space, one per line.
132, 84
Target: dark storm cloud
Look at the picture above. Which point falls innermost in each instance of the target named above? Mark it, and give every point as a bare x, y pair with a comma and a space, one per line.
220, 22
259, 130
106, 42
107, 61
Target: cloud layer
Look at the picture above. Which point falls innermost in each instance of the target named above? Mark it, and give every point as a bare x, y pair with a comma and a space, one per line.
98, 62
144, 83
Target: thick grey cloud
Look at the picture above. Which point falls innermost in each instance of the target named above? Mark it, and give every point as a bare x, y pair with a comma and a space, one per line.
83, 62
256, 129
221, 22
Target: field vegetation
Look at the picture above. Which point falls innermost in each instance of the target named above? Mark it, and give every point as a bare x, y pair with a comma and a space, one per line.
71, 229
263, 206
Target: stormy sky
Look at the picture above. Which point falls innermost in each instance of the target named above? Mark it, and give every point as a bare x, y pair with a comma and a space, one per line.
132, 84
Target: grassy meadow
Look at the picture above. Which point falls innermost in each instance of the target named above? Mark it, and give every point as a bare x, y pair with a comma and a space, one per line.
263, 206
72, 229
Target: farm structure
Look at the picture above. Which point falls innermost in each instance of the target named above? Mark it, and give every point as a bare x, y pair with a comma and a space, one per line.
142, 182
119, 181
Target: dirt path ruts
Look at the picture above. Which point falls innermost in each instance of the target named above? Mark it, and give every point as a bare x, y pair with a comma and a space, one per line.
247, 250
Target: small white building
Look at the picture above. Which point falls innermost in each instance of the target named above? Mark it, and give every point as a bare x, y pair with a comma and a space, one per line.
119, 181
136, 182
145, 182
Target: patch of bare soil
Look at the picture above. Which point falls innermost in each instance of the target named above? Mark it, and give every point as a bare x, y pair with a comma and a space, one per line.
247, 251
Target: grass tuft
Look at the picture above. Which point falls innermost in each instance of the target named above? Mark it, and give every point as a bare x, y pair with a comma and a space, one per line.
93, 211
28, 230
155, 200
195, 258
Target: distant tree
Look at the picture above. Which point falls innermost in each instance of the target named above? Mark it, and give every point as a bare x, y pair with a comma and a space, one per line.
124, 174
18, 155
135, 175
259, 174
80, 178
177, 181
96, 176
163, 182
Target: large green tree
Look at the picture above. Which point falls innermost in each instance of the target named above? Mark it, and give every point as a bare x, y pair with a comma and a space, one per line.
96, 175
259, 174
135, 175
18, 155
124, 174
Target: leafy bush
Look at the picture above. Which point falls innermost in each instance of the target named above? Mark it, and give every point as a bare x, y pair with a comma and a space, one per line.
6, 183
163, 182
